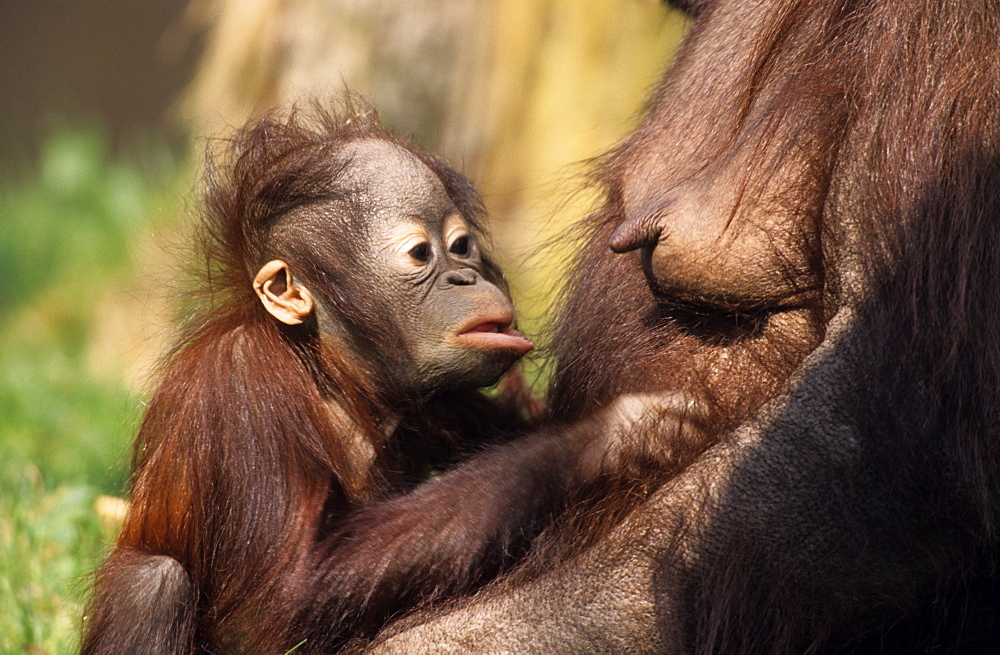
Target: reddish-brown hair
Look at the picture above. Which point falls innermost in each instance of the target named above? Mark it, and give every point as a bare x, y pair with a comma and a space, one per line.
892, 111
240, 465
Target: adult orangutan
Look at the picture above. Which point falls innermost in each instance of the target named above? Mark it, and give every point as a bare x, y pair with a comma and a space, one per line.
801, 239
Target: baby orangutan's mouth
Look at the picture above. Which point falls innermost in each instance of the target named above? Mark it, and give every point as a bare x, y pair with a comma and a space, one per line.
494, 333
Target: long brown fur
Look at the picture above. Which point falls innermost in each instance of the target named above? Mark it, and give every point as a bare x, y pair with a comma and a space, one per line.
893, 109
875, 126
241, 469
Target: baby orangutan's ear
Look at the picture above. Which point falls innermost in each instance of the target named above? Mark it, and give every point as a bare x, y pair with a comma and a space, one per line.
285, 300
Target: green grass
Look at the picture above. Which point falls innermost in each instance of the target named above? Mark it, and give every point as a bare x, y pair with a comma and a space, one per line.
67, 235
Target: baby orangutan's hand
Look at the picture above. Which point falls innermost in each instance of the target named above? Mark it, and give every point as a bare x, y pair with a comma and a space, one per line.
637, 430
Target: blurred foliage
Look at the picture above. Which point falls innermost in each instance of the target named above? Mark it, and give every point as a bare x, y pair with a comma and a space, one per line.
67, 249
48, 541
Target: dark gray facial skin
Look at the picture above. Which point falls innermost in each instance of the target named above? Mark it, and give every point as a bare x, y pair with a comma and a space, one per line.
422, 256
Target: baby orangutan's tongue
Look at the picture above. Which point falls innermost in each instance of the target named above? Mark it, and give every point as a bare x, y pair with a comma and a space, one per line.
489, 326
497, 335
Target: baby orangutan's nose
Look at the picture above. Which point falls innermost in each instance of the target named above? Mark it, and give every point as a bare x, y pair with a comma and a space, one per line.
462, 277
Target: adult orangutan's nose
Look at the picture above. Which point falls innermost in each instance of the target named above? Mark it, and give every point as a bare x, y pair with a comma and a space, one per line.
639, 231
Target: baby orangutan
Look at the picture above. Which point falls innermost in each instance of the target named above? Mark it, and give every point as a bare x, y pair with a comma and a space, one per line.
354, 315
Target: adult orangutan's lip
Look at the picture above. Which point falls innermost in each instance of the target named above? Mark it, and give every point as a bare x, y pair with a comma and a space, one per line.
494, 333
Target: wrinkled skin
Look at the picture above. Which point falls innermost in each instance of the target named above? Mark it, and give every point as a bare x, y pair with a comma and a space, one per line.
421, 254
820, 172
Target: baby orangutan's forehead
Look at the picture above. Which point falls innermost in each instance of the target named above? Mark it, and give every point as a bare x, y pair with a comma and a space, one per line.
390, 182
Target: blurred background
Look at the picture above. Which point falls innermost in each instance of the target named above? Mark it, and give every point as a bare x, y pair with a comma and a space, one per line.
103, 111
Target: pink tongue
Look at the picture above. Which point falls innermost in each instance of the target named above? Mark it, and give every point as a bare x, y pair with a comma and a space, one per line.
490, 327
511, 332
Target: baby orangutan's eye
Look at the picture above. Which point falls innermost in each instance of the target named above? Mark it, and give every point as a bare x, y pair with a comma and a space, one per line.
460, 246
421, 252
